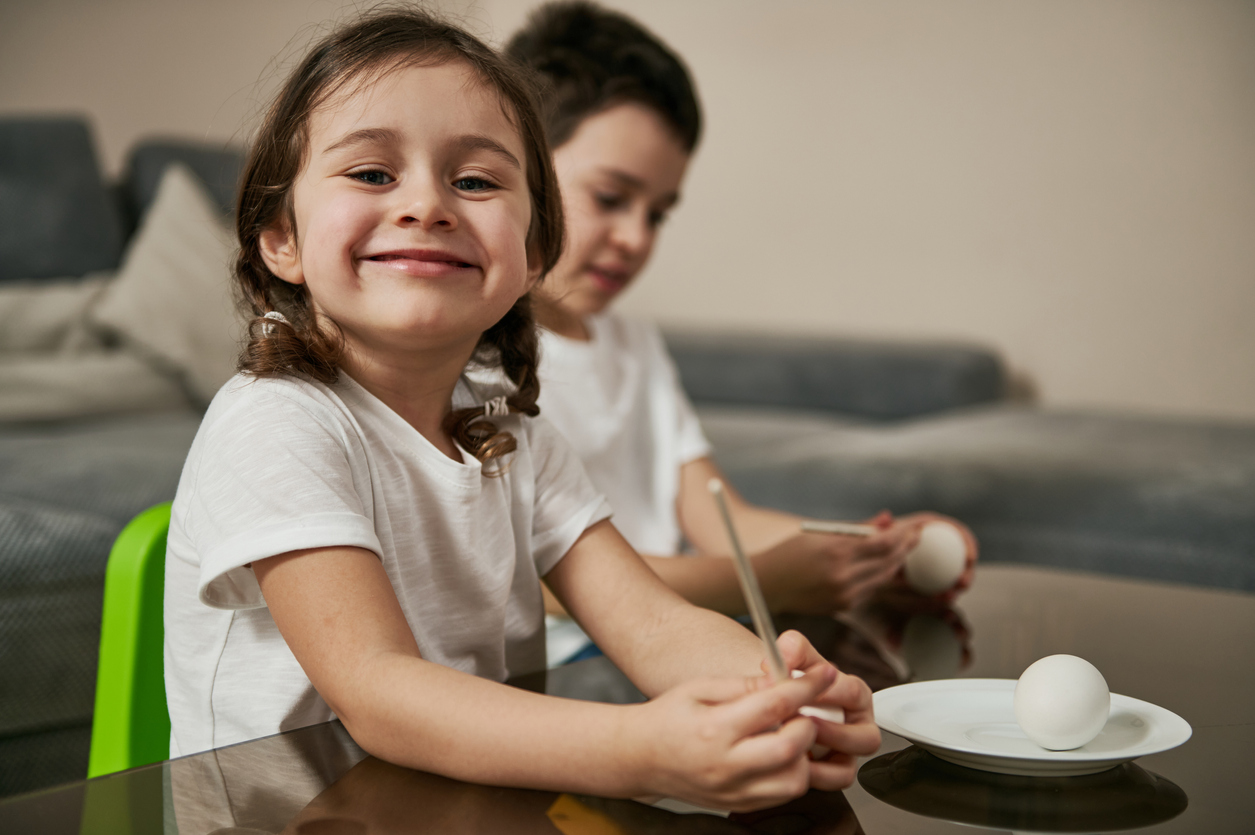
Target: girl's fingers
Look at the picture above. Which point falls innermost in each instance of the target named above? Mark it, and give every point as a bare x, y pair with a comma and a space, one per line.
797, 652
765, 709
765, 755
773, 789
851, 694
717, 690
832, 773
857, 739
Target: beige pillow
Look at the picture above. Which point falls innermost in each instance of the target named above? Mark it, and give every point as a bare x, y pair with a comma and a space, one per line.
171, 301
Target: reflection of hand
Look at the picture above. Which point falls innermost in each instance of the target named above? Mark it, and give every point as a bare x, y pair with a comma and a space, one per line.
928, 635
819, 573
815, 813
726, 743
377, 797
856, 736
846, 643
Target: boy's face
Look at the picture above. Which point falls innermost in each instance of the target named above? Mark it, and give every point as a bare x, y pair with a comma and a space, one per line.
620, 174
412, 213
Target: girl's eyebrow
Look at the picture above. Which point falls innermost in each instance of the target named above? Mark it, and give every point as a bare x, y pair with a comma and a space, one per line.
387, 136
365, 136
479, 142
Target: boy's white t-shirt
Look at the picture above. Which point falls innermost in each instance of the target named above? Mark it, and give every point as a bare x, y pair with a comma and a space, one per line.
617, 400
281, 464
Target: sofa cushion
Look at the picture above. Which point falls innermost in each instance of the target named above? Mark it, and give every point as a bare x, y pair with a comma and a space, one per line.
877, 380
171, 300
57, 218
1157, 498
217, 167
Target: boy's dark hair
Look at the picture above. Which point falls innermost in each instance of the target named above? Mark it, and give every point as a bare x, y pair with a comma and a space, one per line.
593, 58
374, 45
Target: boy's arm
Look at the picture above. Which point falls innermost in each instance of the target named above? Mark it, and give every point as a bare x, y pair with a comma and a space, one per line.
799, 572
759, 528
722, 740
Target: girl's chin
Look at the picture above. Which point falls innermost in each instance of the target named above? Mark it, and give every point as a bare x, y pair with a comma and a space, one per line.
577, 301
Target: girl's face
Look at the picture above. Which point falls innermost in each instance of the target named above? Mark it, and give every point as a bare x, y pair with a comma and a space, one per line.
620, 174
412, 212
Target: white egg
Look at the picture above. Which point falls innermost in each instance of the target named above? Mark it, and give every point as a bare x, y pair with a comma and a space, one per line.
1062, 702
936, 563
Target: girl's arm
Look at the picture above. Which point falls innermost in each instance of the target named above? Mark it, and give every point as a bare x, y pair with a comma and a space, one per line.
724, 741
659, 639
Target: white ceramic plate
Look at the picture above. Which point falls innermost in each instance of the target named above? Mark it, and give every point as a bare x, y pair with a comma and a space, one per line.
971, 722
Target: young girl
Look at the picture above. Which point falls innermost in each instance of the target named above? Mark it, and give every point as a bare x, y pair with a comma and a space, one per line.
359, 533
624, 120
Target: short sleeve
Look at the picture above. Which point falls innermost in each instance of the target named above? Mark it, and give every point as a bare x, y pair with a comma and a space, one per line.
690, 440
272, 473
565, 501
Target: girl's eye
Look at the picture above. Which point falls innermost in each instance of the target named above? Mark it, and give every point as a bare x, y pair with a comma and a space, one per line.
657, 219
373, 177
472, 184
609, 202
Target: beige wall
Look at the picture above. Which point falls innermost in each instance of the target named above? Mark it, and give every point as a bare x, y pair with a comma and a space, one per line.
1071, 182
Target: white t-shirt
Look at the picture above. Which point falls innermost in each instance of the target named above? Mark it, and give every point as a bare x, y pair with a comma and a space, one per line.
281, 464
617, 400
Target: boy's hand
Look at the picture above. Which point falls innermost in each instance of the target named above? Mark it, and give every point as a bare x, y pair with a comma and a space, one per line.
917, 521
821, 573
728, 743
857, 736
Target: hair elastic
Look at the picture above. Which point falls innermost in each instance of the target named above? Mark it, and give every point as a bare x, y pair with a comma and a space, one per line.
496, 406
274, 315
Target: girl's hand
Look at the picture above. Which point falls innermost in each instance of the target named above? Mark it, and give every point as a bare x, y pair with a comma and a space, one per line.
728, 743
822, 573
858, 736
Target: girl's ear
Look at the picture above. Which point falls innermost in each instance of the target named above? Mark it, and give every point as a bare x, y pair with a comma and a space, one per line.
535, 266
281, 254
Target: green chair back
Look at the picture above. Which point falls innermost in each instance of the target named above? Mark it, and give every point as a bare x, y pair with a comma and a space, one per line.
131, 724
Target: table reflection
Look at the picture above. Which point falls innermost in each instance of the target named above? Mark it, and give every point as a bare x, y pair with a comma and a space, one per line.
378, 797
1125, 797
892, 640
317, 781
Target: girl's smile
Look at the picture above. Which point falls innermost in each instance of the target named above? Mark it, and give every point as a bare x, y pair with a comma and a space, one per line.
429, 263
411, 216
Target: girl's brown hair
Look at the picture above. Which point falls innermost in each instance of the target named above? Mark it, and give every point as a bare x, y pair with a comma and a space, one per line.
311, 346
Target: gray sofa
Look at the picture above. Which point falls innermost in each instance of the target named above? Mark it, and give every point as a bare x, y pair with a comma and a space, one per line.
824, 427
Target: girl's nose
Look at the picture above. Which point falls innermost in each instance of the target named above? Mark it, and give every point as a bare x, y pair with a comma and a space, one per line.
633, 233
426, 205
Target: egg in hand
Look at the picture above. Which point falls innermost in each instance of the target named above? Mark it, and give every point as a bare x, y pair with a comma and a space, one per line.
1062, 702
935, 564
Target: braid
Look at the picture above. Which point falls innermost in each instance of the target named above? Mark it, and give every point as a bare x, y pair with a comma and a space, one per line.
296, 344
512, 344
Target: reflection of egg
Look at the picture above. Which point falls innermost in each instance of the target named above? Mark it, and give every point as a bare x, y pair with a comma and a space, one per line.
1062, 702
931, 648
934, 565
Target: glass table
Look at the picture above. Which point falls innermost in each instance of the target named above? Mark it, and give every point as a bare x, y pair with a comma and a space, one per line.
1189, 650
